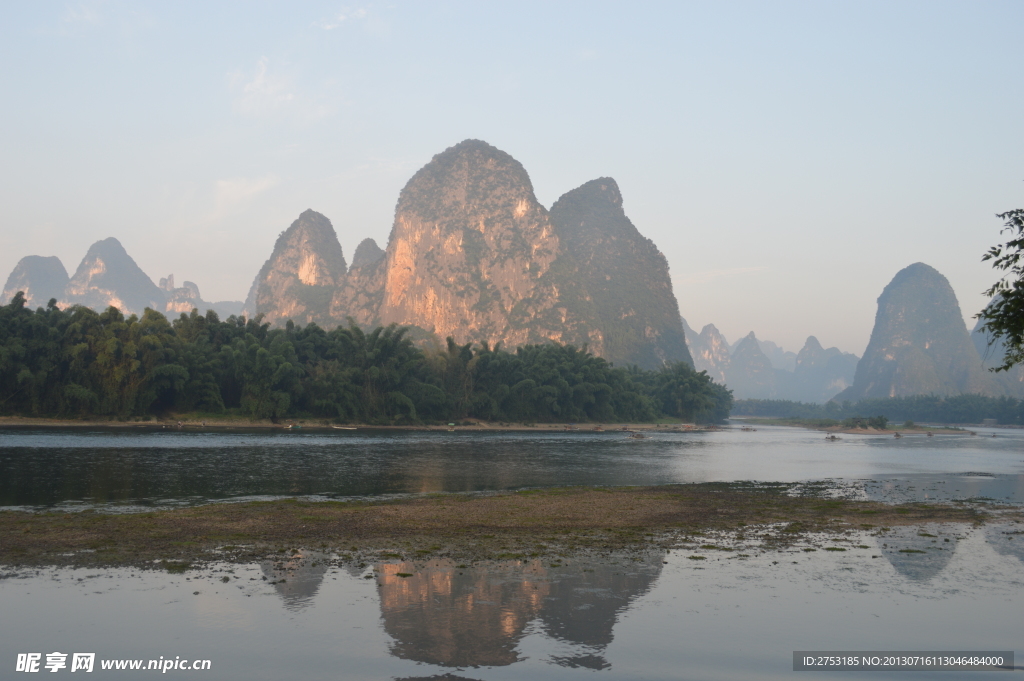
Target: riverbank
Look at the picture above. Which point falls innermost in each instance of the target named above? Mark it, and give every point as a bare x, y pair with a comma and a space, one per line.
464, 527
830, 426
198, 424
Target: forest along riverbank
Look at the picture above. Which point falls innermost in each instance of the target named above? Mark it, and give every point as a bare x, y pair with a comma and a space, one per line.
559, 522
220, 424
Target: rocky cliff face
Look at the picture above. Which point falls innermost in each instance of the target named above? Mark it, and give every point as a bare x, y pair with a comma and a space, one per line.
361, 294
623, 275
710, 351
920, 344
472, 255
299, 279
41, 278
108, 276
180, 299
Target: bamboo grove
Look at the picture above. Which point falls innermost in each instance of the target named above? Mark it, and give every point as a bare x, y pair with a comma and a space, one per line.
77, 363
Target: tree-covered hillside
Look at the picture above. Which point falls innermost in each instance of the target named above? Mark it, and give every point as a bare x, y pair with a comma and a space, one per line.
77, 363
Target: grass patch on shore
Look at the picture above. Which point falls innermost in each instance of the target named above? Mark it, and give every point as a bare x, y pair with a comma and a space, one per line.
568, 520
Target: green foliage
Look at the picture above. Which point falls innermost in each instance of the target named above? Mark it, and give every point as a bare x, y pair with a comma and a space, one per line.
879, 422
1004, 316
79, 363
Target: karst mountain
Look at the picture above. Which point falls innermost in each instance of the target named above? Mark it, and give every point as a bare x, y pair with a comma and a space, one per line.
919, 344
106, 277
473, 255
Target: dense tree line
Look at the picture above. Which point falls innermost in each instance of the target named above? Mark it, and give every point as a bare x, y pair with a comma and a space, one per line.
919, 408
77, 362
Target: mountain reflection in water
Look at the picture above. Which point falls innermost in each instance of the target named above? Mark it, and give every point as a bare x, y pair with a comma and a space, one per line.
296, 576
476, 616
1007, 540
919, 553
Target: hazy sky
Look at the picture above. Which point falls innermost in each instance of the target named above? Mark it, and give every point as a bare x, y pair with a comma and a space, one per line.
787, 158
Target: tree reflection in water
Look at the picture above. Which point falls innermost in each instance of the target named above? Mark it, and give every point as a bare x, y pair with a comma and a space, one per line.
442, 614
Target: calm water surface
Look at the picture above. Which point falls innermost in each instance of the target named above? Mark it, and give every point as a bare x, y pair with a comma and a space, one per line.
657, 615
46, 468
649, 616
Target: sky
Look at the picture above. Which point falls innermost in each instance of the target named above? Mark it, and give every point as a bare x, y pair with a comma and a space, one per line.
788, 158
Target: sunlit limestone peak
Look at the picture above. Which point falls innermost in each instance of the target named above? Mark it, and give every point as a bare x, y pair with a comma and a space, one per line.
108, 276
301, 275
471, 254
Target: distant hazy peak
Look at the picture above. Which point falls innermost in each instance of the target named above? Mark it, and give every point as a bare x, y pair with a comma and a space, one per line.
750, 373
603, 190
749, 347
992, 354
40, 277
105, 248
108, 276
367, 253
812, 343
710, 330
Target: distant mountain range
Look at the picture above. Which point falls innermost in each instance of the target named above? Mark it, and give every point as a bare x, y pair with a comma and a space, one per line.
919, 346
760, 369
474, 256
107, 276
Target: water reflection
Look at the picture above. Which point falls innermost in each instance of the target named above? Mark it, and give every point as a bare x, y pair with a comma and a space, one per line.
437, 677
940, 487
677, 620
919, 553
296, 576
164, 468
453, 616
1007, 540
72, 468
